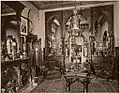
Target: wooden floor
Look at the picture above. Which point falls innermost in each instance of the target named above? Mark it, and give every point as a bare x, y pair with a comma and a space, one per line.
55, 83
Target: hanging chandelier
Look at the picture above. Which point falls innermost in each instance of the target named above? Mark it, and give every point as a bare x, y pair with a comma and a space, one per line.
77, 23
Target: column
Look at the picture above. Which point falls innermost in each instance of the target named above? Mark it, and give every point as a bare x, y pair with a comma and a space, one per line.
70, 49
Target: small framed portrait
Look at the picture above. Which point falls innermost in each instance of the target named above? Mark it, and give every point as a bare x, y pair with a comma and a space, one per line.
24, 26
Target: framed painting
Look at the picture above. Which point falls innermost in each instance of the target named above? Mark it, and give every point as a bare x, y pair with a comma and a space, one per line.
24, 26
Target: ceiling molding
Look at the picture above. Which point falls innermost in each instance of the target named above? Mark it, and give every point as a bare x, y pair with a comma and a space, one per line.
45, 5
81, 7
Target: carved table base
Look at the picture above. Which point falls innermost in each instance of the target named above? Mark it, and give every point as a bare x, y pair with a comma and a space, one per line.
83, 78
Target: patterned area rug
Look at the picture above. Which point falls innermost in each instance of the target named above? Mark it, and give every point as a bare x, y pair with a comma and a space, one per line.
56, 84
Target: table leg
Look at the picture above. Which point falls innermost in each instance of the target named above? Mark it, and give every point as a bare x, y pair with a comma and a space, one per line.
85, 88
67, 86
69, 82
86, 82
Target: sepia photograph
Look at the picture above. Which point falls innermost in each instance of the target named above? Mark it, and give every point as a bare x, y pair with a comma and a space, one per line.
62, 46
